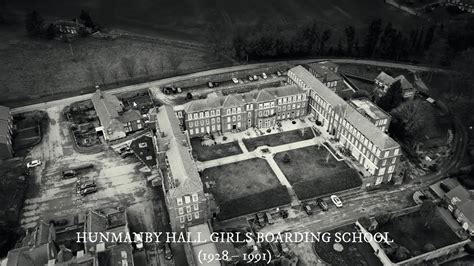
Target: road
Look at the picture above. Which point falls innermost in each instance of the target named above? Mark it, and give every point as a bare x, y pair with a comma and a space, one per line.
167, 81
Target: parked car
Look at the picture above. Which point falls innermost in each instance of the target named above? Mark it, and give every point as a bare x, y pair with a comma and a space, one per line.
279, 73
81, 187
179, 90
168, 253
250, 78
255, 77
260, 218
33, 163
69, 174
264, 76
235, 80
307, 209
337, 201
322, 204
210, 84
88, 190
269, 218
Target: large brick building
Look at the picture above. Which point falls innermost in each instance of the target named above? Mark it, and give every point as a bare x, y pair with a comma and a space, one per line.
371, 147
186, 201
235, 112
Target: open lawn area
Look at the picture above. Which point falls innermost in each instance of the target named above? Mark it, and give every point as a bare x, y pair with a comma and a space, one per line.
39, 69
410, 231
278, 138
314, 172
352, 254
245, 187
206, 153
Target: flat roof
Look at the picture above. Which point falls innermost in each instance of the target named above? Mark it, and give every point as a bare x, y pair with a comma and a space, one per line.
203, 232
368, 108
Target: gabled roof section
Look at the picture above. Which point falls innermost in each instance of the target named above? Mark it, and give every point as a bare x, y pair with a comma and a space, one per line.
405, 84
96, 222
130, 115
264, 96
458, 195
232, 101
4, 113
357, 120
107, 107
183, 170
322, 73
385, 78
145, 150
204, 104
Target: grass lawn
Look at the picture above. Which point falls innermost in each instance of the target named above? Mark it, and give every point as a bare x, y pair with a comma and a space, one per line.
245, 187
44, 68
410, 231
206, 153
357, 254
311, 176
278, 138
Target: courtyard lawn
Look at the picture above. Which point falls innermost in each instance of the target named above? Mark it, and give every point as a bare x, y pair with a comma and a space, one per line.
278, 138
410, 231
311, 175
206, 153
352, 253
245, 187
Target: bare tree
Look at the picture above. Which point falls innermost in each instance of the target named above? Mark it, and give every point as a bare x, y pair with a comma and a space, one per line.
175, 61
129, 65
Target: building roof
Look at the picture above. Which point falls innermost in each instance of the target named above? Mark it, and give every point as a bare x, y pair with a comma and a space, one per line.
385, 78
202, 233
232, 100
325, 74
130, 115
329, 65
404, 83
458, 195
183, 170
4, 113
467, 209
39, 255
145, 150
107, 107
356, 119
120, 255
4, 128
369, 109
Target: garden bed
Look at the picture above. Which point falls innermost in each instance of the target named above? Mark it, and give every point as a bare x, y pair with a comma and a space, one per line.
279, 138
205, 153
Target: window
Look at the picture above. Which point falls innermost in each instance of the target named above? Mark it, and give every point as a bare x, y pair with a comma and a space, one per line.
191, 125
213, 120
202, 129
197, 130
213, 113
382, 171
196, 207
191, 131
238, 110
180, 211
187, 199
228, 111
195, 197
391, 169
206, 114
218, 112
179, 201
213, 128
201, 115
218, 120
188, 209
396, 151
202, 122
196, 215
238, 118
394, 160
190, 217
228, 119
387, 153
195, 116
207, 122
181, 219
233, 118
196, 123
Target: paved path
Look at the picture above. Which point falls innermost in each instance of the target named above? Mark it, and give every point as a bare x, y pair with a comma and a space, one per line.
242, 146
162, 82
283, 180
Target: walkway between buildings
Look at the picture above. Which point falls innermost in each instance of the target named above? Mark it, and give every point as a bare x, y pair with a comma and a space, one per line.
283, 180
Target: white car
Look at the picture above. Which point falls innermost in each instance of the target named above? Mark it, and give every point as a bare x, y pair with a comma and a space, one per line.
33, 163
235, 80
337, 201
264, 76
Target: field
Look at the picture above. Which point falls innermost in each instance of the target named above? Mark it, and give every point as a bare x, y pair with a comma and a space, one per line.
245, 187
311, 176
206, 153
278, 138
410, 231
37, 69
188, 19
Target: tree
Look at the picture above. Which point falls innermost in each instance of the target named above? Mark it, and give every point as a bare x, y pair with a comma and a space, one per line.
51, 31
402, 254
427, 210
392, 98
34, 24
372, 38
325, 36
286, 158
436, 55
350, 39
383, 218
86, 18
189, 96
129, 65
